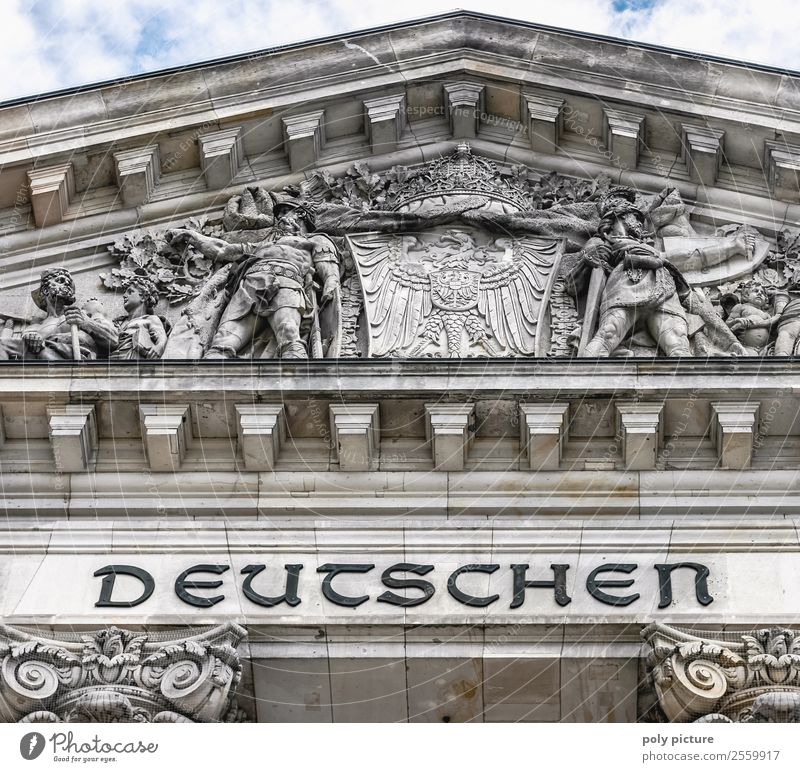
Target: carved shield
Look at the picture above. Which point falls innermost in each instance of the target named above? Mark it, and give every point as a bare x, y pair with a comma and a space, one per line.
456, 292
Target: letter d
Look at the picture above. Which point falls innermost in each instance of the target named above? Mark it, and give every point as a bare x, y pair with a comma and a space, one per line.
109, 574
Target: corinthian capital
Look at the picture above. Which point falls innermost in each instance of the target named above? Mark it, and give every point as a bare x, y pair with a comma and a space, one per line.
735, 677
115, 675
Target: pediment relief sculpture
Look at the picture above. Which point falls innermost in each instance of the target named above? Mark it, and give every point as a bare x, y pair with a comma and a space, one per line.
456, 258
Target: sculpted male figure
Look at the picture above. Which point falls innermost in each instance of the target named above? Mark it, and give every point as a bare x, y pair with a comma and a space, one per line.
272, 287
51, 339
640, 287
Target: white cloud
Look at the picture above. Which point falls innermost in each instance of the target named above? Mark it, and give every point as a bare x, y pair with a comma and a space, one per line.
50, 44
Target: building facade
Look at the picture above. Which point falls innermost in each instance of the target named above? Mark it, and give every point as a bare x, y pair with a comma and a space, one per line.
441, 372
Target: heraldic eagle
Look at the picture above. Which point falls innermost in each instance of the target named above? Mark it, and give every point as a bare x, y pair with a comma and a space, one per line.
421, 292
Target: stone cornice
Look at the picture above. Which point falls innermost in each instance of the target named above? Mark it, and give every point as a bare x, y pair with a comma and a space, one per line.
418, 493
97, 122
724, 377
460, 32
498, 536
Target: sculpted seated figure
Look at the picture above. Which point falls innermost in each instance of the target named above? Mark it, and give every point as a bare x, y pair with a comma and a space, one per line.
141, 333
52, 338
273, 284
750, 319
757, 313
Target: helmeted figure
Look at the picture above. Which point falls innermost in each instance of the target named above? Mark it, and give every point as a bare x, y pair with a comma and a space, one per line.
272, 284
641, 285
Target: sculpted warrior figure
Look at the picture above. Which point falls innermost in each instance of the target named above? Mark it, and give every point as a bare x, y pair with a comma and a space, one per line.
272, 285
52, 338
788, 341
141, 333
640, 288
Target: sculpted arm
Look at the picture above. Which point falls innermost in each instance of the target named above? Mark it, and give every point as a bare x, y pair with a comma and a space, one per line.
740, 319
32, 339
213, 248
158, 336
103, 331
338, 220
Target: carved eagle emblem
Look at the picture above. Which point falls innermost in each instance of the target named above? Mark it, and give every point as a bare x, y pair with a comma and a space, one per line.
455, 293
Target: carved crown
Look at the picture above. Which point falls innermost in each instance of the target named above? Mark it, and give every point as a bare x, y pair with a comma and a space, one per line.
460, 174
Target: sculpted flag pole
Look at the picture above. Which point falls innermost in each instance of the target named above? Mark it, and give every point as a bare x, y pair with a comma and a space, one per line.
597, 284
76, 344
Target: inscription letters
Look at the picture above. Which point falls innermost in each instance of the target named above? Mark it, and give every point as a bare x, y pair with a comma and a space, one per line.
595, 585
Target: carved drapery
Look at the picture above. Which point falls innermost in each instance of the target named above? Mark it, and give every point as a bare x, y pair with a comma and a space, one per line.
743, 677
115, 675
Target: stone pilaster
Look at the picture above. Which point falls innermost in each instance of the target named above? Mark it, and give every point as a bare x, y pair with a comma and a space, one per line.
51, 188
449, 430
544, 120
464, 106
261, 431
543, 433
73, 437
115, 675
641, 430
356, 434
138, 172
221, 156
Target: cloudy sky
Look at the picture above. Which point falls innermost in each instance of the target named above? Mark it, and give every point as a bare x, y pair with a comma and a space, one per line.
52, 44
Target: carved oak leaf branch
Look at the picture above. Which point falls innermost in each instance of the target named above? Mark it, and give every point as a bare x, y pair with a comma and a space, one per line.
178, 275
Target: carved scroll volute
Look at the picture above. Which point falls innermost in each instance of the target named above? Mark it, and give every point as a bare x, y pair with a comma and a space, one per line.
696, 685
705, 679
115, 675
31, 673
189, 683
197, 674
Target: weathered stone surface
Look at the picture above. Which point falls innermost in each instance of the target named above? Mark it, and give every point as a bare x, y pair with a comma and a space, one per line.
442, 423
